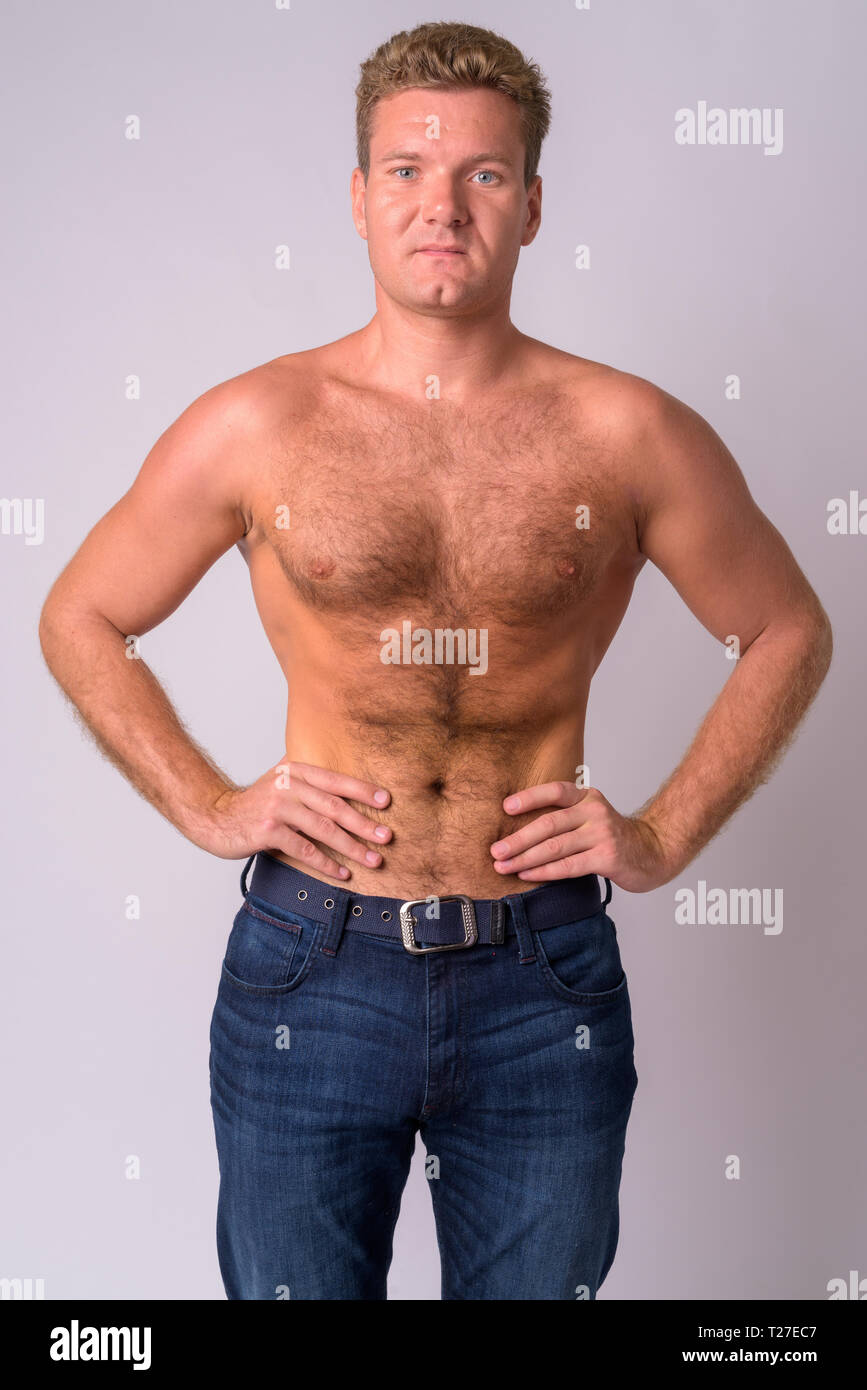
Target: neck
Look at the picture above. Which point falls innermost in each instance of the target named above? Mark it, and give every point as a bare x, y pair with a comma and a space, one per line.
400, 350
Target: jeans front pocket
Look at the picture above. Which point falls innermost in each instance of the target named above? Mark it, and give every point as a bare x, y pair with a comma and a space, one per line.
269, 951
580, 961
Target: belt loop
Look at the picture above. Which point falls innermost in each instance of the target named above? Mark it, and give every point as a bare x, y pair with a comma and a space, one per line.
498, 922
244, 874
526, 949
607, 892
333, 933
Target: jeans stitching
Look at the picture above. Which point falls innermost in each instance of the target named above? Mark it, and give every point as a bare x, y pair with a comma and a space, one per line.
275, 921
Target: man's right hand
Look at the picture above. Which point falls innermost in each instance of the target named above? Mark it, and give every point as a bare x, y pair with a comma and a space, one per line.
297, 808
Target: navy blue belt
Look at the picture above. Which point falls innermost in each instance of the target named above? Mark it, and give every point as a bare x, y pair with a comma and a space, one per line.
447, 921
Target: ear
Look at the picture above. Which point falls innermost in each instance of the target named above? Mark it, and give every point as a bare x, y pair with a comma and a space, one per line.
357, 193
534, 210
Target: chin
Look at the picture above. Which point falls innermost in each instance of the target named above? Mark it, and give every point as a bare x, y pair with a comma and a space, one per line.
444, 292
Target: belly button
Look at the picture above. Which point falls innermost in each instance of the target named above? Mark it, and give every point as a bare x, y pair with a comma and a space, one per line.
437, 785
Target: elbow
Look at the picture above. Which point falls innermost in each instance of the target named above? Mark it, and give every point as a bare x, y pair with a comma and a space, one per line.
56, 622
826, 645
820, 634
46, 617
49, 626
66, 621
806, 639
816, 638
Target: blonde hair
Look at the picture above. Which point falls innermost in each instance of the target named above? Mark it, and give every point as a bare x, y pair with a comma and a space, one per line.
443, 54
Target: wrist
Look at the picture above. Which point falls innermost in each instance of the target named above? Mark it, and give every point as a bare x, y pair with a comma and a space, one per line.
670, 857
203, 819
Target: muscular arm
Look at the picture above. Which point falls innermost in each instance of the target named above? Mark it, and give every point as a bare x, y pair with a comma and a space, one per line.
132, 571
701, 527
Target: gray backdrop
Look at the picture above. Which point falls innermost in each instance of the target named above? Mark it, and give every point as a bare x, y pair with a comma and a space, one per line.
155, 258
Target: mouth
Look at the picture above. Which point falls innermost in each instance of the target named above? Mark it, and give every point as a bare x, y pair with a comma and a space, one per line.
440, 251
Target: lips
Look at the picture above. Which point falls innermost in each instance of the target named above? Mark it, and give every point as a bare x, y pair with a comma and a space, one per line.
443, 250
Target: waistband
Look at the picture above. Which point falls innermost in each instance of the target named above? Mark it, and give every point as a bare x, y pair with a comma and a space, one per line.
549, 905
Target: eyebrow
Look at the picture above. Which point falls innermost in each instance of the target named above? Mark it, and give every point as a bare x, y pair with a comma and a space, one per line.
490, 157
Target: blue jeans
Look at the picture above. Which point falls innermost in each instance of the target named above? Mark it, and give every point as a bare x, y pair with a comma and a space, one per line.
331, 1047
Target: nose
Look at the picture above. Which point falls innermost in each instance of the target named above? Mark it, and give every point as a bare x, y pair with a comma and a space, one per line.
444, 201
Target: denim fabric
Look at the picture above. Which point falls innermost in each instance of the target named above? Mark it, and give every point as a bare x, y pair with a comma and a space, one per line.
513, 1062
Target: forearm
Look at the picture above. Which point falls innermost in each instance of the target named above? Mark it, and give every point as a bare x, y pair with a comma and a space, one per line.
122, 705
741, 739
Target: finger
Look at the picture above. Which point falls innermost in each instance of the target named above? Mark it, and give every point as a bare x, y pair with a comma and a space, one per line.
573, 866
543, 827
312, 857
328, 804
547, 851
339, 782
327, 832
546, 794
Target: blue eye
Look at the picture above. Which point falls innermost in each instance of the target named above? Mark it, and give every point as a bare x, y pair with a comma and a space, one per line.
490, 174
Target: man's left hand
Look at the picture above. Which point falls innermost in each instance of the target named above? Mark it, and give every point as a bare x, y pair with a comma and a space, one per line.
585, 835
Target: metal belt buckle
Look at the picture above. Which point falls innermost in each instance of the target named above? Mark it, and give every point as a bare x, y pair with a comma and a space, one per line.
468, 917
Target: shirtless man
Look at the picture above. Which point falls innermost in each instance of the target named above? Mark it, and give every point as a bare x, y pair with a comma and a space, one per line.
443, 521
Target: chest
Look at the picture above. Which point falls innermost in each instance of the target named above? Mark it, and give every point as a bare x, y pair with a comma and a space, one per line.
501, 519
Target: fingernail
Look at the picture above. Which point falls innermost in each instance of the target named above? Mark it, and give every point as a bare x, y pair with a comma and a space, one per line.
343, 871
380, 832
499, 848
381, 797
372, 857
512, 804
504, 863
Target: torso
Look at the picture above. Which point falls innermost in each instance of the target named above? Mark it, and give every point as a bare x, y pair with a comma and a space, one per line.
444, 518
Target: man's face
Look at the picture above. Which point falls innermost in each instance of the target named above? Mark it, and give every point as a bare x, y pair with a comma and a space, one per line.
446, 171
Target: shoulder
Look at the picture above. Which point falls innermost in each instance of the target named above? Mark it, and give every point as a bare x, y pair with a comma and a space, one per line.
257, 399
616, 406
659, 440
211, 455
662, 454
619, 406
229, 425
